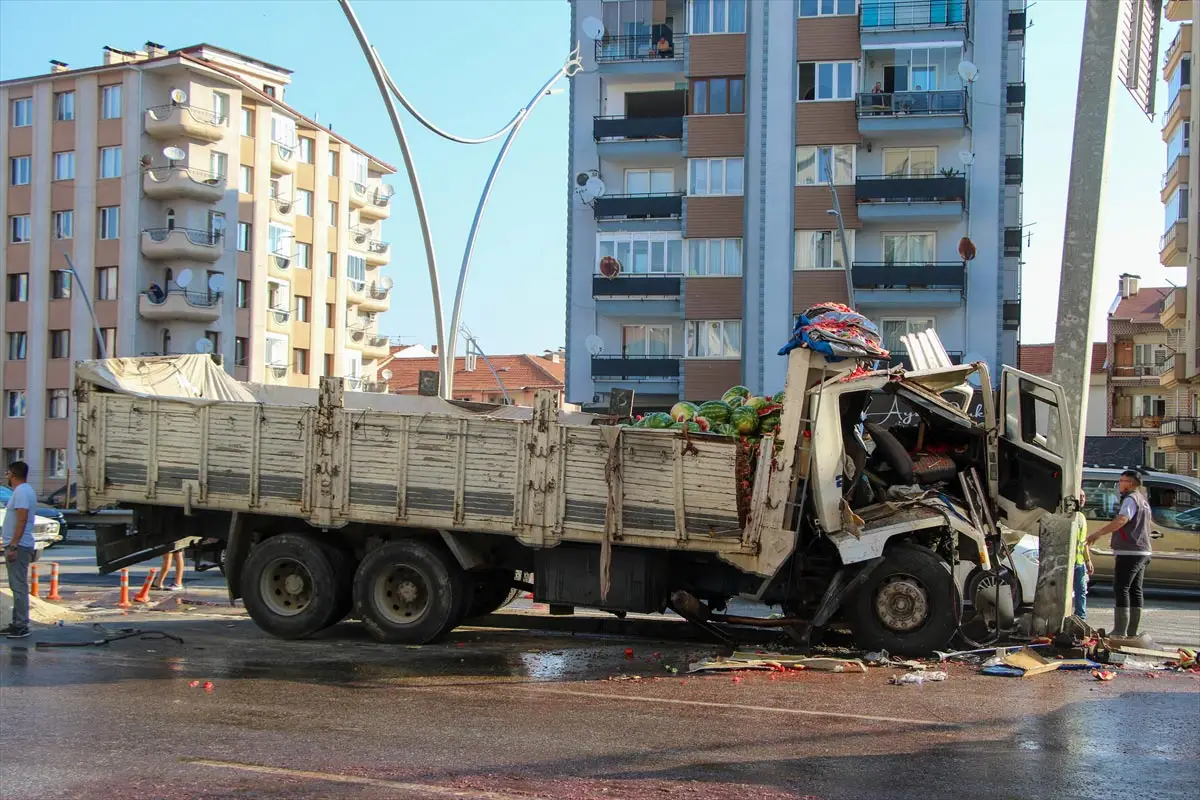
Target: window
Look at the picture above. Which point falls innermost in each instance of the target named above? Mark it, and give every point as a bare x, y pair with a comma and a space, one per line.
718, 96
241, 351
822, 249
221, 107
106, 283
331, 264
283, 130
910, 161
22, 112
280, 240
333, 211
243, 237
110, 222
304, 202
1149, 354
358, 167
60, 344
333, 163
215, 339
356, 270
14, 404
642, 253
1148, 405
909, 249
18, 288
303, 256
302, 306
110, 162
826, 80
645, 340
330, 315
892, 329
276, 351
60, 285
1179, 80
1180, 143
18, 344
1176, 207
20, 171
714, 256
277, 297
828, 8
64, 224
219, 164
299, 361
306, 149
109, 337
246, 179
247, 122
60, 400
110, 101
718, 16
56, 462
709, 177
1160, 460
19, 231
64, 165
714, 339
243, 293
268, 90
12, 454
64, 106
815, 163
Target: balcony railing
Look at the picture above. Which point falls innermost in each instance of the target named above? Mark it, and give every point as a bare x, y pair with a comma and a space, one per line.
1015, 94
1167, 366
195, 299
659, 43
1169, 237
282, 315
637, 128
360, 189
1135, 371
377, 292
629, 367
638, 205
910, 188
161, 174
928, 275
205, 116
383, 195
1014, 238
376, 246
875, 15
282, 204
1137, 423
1179, 426
1014, 169
891, 104
1174, 169
1016, 25
636, 286
198, 237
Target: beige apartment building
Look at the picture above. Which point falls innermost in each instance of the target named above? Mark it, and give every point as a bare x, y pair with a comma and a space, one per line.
202, 213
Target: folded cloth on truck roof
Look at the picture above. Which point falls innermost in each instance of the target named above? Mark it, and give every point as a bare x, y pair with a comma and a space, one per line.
836, 331
191, 378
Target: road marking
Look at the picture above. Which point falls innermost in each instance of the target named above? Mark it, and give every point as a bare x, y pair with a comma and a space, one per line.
740, 707
424, 789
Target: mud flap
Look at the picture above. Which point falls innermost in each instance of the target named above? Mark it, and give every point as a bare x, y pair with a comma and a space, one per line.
154, 532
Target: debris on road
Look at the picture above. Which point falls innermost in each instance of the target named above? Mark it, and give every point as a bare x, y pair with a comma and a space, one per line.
777, 662
918, 678
1104, 674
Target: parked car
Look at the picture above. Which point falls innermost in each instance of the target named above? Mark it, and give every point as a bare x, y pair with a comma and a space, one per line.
1175, 509
46, 531
47, 512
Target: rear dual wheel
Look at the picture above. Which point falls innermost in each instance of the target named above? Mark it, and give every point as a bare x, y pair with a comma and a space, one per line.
290, 586
410, 591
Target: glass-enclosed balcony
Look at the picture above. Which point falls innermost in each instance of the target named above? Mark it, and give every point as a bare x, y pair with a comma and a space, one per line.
912, 89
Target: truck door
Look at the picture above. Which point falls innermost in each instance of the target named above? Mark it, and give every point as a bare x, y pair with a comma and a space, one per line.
1036, 449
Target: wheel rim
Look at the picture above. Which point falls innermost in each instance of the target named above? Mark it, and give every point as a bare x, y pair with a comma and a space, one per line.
902, 604
402, 595
286, 587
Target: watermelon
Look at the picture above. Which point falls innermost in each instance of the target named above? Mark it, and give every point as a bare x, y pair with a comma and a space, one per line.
744, 420
768, 424
736, 395
779, 397
703, 423
683, 411
686, 425
725, 429
715, 411
757, 403
659, 419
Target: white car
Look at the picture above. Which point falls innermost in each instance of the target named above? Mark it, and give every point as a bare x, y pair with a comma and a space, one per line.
46, 532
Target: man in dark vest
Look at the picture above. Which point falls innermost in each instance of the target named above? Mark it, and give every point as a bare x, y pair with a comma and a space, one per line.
1130, 545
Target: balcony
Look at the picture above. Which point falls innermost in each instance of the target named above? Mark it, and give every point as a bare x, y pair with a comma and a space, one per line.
378, 205
280, 260
1146, 425
923, 284
1014, 96
1180, 46
378, 253
1179, 111
179, 304
181, 244
1014, 170
899, 113
183, 183
374, 298
176, 121
283, 158
360, 237
1175, 176
911, 198
1173, 246
1179, 434
359, 195
279, 319
1134, 372
1173, 371
1014, 238
637, 295
659, 51
1012, 315
639, 206
1016, 25
1174, 309
283, 210
638, 137
657, 368
375, 348
1178, 10
910, 21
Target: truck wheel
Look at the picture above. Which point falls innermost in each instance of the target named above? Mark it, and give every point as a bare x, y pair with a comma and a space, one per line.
493, 591
289, 586
907, 606
409, 592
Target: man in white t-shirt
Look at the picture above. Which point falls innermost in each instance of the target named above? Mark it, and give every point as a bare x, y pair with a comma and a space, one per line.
18, 543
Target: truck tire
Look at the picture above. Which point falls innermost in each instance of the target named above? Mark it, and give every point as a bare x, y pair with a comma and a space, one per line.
409, 592
343, 570
493, 591
907, 606
289, 586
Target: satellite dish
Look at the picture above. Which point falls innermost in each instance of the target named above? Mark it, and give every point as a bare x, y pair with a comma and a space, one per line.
386, 374
610, 267
386, 283
174, 153
204, 345
183, 279
216, 282
581, 179
966, 157
178, 96
594, 187
968, 71
593, 28
594, 344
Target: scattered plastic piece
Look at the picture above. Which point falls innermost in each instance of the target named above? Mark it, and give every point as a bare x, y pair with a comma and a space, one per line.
1003, 671
918, 678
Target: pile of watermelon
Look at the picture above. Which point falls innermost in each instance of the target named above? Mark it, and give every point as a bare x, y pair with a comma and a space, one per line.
738, 414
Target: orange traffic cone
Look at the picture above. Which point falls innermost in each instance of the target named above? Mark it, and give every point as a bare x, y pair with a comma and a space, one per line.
35, 588
54, 595
124, 603
143, 596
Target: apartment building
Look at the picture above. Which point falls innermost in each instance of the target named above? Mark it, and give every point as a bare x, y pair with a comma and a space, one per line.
201, 212
715, 144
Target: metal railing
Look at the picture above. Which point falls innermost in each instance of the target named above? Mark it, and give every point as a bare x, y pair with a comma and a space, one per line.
198, 237
1135, 371
376, 341
1179, 426
207, 116
282, 315
359, 188
286, 151
1014, 94
892, 14
361, 234
640, 46
910, 188
1173, 170
625, 285
1168, 365
282, 260
1137, 423
383, 195
378, 293
888, 104
284, 204
637, 128
636, 366
205, 299
1169, 237
161, 174
669, 204
909, 275
376, 246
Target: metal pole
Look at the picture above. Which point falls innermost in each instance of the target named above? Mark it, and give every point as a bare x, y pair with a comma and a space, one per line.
418, 199
569, 68
837, 212
473, 342
88, 302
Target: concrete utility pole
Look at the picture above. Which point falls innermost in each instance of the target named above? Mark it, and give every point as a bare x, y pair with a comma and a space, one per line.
1072, 341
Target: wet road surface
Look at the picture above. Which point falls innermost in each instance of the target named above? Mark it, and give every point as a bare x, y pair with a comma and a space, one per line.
507, 714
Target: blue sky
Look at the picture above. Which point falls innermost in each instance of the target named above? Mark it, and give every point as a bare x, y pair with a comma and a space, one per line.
470, 64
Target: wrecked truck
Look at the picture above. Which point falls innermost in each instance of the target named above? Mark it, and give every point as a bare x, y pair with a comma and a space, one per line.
416, 514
